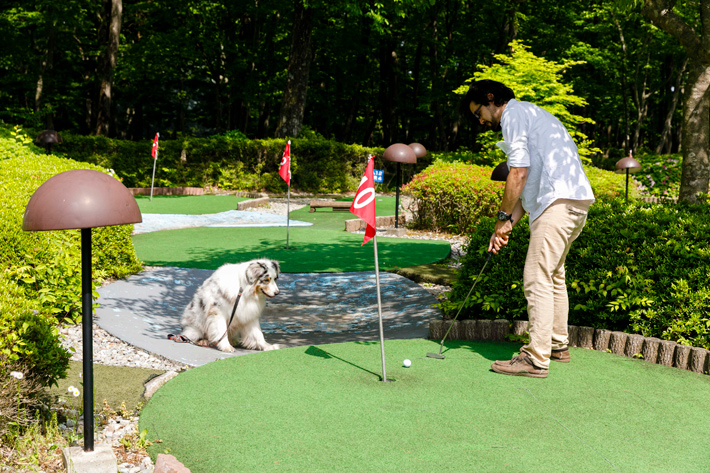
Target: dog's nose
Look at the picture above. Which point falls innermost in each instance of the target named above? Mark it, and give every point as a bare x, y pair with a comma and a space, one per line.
276, 292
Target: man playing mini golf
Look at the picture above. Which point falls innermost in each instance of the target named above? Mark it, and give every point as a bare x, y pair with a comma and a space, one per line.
546, 180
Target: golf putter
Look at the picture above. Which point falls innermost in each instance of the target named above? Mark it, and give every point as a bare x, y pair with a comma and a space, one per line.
439, 356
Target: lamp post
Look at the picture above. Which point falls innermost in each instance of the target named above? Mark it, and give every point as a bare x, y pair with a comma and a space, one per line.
47, 138
500, 173
82, 199
401, 153
628, 164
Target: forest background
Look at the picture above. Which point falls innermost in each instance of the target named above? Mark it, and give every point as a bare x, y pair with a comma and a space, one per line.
355, 71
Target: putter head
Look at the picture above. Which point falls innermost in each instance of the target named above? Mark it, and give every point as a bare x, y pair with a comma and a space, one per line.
438, 356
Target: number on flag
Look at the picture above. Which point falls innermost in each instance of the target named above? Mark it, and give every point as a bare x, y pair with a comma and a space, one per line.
364, 202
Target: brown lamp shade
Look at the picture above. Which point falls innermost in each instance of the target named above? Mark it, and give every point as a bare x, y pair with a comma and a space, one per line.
500, 173
80, 198
48, 137
627, 163
419, 149
400, 153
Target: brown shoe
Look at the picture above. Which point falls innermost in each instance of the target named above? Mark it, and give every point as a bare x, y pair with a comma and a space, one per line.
520, 365
561, 355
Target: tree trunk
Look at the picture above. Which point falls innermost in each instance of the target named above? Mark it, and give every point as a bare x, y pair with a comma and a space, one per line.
112, 11
42, 89
666, 141
624, 88
641, 95
696, 108
299, 63
388, 91
696, 134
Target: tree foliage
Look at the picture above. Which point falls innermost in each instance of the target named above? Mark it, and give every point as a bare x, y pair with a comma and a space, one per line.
537, 80
380, 72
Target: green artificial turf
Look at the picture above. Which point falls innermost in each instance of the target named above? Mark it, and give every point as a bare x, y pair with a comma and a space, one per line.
326, 218
187, 204
311, 250
324, 408
322, 247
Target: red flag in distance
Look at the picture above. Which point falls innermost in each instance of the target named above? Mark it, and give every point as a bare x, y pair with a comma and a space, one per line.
364, 202
154, 153
285, 167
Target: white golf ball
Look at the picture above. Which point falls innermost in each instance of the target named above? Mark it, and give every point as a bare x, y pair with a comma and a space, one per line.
407, 363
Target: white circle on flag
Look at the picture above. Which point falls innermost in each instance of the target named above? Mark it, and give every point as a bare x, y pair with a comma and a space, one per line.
369, 192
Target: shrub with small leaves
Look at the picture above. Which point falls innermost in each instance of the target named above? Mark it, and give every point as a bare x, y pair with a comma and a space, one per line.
660, 175
452, 197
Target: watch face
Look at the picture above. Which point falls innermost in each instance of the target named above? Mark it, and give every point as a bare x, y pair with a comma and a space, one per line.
503, 216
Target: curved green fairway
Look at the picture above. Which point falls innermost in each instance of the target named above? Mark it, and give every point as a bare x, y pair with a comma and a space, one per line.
324, 408
311, 250
322, 247
187, 204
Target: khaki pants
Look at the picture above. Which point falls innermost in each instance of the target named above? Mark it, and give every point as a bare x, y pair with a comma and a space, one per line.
551, 236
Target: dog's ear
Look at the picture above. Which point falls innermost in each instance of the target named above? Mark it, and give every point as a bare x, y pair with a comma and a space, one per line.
275, 265
255, 271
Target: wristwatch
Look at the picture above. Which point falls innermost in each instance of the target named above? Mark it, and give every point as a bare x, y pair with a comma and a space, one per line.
502, 216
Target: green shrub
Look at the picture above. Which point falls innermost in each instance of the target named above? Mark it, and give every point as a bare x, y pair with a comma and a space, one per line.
638, 267
452, 197
537, 80
29, 338
40, 272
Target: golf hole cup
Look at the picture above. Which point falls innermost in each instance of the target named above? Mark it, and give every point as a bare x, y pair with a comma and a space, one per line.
407, 363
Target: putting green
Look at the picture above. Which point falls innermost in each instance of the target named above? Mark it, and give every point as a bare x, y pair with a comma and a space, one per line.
187, 204
311, 250
324, 408
322, 247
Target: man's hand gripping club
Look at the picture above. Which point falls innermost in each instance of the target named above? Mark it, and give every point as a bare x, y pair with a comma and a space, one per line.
511, 205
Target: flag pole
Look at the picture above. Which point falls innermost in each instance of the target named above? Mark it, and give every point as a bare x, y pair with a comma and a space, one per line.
155, 160
288, 195
288, 210
379, 310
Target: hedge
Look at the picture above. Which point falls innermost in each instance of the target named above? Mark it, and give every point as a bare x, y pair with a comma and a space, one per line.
317, 165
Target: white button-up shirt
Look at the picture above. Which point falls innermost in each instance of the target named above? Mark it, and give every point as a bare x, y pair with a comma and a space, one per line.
537, 140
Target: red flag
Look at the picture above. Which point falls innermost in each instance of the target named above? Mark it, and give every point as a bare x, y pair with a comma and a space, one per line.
285, 167
154, 153
364, 202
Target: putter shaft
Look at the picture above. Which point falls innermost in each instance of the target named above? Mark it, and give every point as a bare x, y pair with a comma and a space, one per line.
441, 346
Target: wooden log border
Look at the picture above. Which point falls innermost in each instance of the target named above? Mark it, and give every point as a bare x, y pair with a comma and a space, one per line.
649, 349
